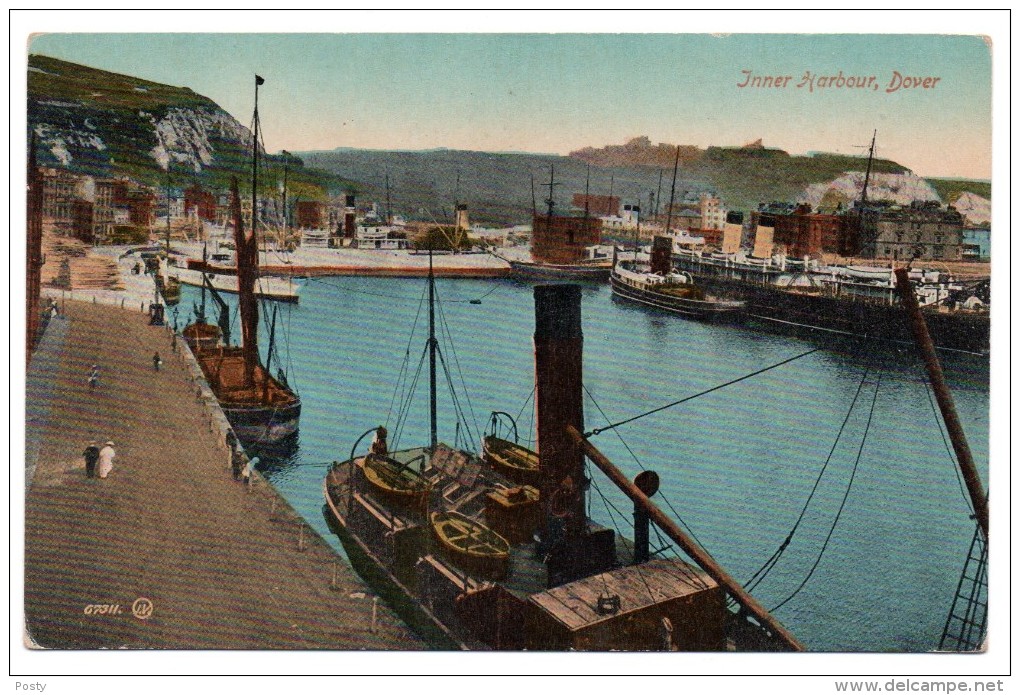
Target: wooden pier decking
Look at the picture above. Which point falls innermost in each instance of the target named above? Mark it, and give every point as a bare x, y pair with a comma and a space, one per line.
221, 565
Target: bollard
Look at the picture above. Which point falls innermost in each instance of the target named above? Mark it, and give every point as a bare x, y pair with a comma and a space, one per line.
121, 302
301, 539
333, 585
375, 611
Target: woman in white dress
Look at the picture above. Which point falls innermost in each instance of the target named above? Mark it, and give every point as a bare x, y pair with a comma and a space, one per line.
106, 456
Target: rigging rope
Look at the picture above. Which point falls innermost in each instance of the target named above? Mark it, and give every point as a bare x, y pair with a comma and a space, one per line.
764, 570
842, 504
945, 443
665, 499
600, 430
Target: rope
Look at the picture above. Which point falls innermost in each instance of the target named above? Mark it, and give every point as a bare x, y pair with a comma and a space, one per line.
665, 499
842, 504
945, 443
764, 570
702, 393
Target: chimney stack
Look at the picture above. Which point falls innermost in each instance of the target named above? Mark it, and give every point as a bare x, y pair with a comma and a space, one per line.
662, 255
349, 213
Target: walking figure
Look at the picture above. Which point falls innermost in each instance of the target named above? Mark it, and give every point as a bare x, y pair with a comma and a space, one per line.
94, 377
91, 455
156, 361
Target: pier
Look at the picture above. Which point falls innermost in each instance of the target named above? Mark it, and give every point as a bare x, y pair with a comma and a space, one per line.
169, 551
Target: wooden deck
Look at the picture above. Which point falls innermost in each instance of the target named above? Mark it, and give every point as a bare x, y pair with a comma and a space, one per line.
221, 566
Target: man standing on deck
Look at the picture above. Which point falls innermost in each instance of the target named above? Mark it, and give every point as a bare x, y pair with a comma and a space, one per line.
91, 455
156, 361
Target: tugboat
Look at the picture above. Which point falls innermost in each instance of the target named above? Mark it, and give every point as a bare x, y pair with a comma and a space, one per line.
491, 563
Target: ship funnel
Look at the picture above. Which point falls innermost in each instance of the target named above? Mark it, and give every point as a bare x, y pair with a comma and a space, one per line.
572, 548
662, 255
462, 218
349, 213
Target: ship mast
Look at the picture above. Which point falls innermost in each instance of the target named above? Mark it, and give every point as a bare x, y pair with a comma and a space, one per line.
432, 352
672, 190
247, 259
867, 173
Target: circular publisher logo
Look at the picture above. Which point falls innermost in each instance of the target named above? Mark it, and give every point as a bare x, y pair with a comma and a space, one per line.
142, 608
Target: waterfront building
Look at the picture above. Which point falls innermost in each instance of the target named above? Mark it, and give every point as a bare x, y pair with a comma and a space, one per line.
924, 230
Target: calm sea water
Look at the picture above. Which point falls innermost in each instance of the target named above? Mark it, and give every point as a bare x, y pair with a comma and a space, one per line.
737, 464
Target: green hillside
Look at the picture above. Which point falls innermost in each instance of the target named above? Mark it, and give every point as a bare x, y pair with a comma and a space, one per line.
105, 124
950, 189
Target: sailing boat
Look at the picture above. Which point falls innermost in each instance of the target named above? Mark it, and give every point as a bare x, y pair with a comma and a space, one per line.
489, 563
259, 407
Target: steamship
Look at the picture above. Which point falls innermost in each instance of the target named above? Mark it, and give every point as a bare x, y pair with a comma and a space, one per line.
660, 287
485, 561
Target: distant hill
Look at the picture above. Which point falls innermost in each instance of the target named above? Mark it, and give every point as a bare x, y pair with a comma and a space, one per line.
951, 189
104, 124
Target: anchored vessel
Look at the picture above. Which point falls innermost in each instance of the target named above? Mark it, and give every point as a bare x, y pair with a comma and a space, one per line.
835, 300
499, 553
661, 287
260, 407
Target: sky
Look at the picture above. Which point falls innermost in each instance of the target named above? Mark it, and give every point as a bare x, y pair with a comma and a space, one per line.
559, 92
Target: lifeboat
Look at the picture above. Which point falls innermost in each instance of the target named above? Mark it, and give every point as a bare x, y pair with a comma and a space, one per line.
470, 545
394, 481
511, 460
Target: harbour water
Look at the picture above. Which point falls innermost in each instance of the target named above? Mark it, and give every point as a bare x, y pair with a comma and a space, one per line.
738, 464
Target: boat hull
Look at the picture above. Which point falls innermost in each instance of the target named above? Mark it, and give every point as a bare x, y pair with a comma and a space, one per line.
693, 309
263, 424
778, 308
546, 271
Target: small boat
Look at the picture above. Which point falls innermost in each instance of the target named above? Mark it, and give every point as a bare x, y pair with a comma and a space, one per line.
272, 288
512, 460
470, 545
396, 482
661, 287
576, 272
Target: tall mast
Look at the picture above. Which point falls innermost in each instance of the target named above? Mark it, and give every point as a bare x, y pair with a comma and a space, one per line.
168, 212
286, 169
255, 164
672, 190
867, 173
389, 215
658, 195
587, 181
432, 352
609, 202
549, 201
534, 205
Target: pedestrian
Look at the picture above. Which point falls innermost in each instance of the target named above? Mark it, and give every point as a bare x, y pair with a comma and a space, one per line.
156, 361
248, 468
91, 455
94, 377
173, 339
106, 456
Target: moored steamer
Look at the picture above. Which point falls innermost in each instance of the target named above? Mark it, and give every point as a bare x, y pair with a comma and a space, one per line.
660, 287
492, 563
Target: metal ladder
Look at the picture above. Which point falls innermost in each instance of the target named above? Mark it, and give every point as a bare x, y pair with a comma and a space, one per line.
968, 617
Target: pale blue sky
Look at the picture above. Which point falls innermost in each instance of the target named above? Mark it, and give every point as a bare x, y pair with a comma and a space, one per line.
560, 92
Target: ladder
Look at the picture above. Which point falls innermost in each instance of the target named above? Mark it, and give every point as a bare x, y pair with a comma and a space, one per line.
968, 617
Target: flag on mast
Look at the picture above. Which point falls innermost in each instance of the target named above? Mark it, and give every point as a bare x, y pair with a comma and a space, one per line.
259, 80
